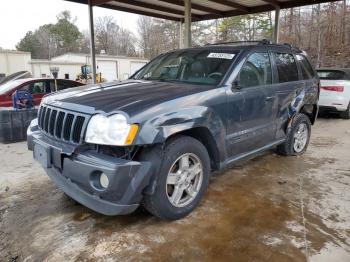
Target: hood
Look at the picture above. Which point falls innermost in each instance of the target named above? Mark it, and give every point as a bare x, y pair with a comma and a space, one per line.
128, 96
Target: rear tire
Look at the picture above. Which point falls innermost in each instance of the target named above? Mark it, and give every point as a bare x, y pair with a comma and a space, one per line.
182, 179
346, 114
298, 137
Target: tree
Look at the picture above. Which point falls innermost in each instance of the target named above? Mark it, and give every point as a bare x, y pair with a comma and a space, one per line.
321, 30
65, 33
113, 39
29, 43
246, 28
52, 39
105, 30
157, 36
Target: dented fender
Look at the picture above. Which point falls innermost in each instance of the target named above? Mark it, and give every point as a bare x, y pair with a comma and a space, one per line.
161, 127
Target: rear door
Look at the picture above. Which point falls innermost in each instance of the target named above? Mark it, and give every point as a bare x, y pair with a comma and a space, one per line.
288, 88
257, 121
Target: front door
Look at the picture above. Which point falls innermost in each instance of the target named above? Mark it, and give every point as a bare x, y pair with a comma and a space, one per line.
257, 125
38, 89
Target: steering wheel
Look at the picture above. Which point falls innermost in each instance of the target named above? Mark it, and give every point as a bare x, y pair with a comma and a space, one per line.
215, 75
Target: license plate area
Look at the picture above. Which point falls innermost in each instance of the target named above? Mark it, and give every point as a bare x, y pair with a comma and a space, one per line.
42, 154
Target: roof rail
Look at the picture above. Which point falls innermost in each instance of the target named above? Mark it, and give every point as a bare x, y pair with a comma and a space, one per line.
259, 42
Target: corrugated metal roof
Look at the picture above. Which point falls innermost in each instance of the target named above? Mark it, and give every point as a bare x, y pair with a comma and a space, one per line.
201, 9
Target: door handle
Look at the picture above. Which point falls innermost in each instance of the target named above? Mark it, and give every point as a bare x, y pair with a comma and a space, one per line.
269, 98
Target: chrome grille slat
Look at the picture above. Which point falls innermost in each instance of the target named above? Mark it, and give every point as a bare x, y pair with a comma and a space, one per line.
62, 124
72, 128
60, 118
47, 119
77, 129
68, 126
43, 111
53, 117
40, 114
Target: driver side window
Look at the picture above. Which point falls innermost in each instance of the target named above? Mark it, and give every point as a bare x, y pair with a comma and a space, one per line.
256, 71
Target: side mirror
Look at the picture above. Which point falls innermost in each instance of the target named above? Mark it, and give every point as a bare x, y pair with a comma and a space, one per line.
236, 85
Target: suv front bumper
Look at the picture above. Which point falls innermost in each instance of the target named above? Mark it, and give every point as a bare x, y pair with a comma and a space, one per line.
77, 173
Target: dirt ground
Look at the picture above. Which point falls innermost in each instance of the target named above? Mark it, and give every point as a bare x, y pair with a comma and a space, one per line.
271, 208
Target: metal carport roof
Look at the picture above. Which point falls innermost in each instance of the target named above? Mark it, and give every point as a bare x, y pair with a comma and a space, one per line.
200, 9
191, 10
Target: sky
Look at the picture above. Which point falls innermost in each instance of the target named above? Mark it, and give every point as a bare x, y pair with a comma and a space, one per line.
17, 17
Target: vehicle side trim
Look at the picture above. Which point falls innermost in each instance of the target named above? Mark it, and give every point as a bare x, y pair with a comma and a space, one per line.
240, 157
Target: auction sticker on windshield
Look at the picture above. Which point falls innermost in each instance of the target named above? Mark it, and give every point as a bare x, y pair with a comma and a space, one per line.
221, 55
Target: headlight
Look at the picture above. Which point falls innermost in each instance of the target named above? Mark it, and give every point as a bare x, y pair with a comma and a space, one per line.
110, 130
33, 123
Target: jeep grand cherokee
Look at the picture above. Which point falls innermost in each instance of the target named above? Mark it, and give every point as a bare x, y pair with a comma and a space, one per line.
154, 139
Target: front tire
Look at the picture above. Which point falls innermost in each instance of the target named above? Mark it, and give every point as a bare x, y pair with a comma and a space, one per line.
182, 179
298, 137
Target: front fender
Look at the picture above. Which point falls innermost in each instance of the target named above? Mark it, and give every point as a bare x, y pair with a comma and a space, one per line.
161, 127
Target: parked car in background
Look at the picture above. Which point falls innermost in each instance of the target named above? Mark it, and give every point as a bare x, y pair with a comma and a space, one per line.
335, 91
14, 76
38, 87
154, 138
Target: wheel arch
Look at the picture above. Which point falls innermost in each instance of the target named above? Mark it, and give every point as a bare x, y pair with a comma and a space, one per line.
153, 153
203, 135
311, 111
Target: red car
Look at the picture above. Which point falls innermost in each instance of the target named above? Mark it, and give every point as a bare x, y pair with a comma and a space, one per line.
38, 87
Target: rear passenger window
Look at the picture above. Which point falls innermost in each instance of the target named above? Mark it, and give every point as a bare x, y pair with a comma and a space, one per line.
61, 85
256, 71
306, 68
286, 67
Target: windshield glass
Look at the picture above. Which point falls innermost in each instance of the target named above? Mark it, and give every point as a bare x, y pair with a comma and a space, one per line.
4, 88
331, 74
205, 67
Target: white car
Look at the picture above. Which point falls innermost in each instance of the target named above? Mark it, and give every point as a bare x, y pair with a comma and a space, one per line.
335, 91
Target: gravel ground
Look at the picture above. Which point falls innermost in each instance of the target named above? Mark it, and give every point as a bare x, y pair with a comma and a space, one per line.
271, 208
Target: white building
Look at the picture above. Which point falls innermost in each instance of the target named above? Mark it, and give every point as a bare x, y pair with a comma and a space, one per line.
14, 61
111, 67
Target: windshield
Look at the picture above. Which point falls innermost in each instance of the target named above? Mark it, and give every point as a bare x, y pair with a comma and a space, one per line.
205, 67
331, 74
4, 88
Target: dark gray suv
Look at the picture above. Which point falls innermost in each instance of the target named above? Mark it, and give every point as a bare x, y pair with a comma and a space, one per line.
155, 138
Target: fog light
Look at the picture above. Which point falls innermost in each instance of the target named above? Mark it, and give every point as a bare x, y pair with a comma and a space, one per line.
104, 181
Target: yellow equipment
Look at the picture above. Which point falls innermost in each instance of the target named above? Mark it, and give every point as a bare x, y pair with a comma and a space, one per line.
86, 75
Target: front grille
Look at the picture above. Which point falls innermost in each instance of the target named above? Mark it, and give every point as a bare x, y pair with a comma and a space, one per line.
62, 124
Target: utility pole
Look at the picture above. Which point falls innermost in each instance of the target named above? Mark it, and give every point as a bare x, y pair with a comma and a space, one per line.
92, 41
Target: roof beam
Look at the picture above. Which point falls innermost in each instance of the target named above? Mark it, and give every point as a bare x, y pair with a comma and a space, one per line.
268, 7
212, 13
274, 3
193, 6
236, 12
153, 7
298, 3
231, 4
139, 12
99, 2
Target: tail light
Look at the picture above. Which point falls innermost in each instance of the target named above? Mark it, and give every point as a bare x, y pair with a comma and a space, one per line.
333, 88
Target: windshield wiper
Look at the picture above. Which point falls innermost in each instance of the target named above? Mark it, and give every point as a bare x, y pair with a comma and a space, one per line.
154, 78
